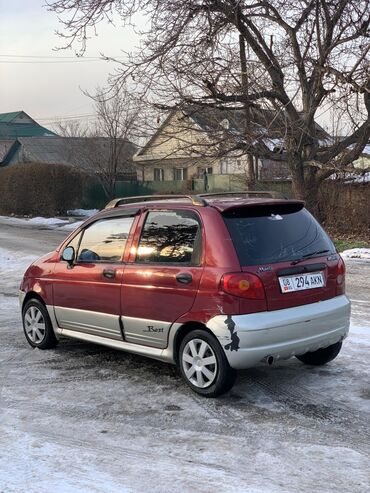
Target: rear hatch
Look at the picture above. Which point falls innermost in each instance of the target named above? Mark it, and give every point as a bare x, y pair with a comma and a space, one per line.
287, 249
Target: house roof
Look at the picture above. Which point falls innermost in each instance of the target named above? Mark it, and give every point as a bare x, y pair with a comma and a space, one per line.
5, 147
266, 124
8, 117
83, 152
15, 130
19, 124
267, 121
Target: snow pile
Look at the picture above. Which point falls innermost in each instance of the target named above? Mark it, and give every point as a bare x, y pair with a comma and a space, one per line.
34, 221
82, 212
48, 221
362, 253
44, 222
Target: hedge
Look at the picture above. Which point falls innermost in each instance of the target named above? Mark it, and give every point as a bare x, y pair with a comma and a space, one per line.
40, 189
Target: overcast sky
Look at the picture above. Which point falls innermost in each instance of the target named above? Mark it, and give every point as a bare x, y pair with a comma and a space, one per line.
49, 88
36, 78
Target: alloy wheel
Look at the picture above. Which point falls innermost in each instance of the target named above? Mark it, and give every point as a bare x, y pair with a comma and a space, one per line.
34, 324
199, 363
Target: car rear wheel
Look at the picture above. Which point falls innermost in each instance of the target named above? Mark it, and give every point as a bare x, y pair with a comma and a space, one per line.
37, 325
321, 356
203, 364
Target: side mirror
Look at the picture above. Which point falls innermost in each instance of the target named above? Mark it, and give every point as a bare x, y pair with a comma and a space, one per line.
69, 255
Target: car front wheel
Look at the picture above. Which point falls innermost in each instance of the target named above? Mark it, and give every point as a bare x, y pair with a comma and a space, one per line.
321, 356
203, 364
37, 325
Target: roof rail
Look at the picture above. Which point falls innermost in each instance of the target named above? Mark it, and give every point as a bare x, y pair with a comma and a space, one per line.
195, 199
253, 193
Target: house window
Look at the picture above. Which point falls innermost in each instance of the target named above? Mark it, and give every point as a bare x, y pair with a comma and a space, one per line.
158, 174
224, 167
201, 170
179, 174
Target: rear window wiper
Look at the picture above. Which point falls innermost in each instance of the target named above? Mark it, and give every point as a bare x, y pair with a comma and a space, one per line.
308, 255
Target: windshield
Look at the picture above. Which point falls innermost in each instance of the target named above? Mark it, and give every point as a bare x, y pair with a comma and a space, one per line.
271, 234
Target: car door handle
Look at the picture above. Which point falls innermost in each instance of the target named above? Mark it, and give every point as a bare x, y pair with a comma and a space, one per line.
184, 278
109, 273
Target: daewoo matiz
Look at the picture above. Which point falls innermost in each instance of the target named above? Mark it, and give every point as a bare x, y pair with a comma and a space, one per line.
212, 283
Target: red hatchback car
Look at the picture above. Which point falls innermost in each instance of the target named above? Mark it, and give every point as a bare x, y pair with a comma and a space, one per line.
212, 283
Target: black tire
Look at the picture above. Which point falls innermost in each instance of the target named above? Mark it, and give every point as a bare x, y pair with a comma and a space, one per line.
321, 356
42, 338
223, 375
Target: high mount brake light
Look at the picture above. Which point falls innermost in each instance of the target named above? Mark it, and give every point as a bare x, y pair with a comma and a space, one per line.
243, 285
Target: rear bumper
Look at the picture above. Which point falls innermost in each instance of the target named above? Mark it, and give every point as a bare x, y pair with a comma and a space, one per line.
248, 339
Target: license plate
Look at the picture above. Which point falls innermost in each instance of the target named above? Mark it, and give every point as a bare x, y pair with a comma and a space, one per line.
301, 281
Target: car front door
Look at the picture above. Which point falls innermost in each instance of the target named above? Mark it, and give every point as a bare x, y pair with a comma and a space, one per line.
87, 295
161, 280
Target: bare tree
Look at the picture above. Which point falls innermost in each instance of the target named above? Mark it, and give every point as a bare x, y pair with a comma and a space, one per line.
106, 145
289, 60
116, 121
71, 128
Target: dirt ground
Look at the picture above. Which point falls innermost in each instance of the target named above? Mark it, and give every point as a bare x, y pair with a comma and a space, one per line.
83, 418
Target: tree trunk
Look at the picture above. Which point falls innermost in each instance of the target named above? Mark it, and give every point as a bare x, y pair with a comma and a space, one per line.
306, 190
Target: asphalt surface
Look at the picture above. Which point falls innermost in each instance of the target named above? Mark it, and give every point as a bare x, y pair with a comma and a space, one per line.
83, 418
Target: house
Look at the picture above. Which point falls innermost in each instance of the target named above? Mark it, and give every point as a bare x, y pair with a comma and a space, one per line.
194, 140
91, 154
19, 124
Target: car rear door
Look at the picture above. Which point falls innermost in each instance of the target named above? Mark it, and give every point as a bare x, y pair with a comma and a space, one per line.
161, 280
283, 243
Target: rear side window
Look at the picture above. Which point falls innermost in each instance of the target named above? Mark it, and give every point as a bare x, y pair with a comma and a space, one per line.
170, 237
271, 234
105, 240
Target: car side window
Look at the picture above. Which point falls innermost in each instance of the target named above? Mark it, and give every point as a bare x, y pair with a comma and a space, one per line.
170, 237
104, 240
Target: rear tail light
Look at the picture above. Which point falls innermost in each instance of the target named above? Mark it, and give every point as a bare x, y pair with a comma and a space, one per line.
243, 285
341, 276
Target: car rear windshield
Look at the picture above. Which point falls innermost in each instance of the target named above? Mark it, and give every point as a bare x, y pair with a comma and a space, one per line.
276, 233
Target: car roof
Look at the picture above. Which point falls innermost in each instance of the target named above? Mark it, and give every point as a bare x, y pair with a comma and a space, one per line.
220, 201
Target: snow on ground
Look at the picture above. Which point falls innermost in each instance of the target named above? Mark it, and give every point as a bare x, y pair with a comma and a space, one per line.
86, 419
34, 221
12, 267
82, 212
41, 222
361, 253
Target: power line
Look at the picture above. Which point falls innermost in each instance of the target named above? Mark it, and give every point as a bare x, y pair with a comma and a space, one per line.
41, 59
59, 61
66, 119
100, 57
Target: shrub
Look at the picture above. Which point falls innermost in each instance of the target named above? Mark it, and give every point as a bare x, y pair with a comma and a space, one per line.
40, 189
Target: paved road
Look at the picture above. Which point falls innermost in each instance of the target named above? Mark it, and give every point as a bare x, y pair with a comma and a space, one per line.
83, 418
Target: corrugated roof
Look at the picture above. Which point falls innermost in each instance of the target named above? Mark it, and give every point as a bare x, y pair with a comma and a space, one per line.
9, 130
19, 124
83, 152
5, 147
8, 117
